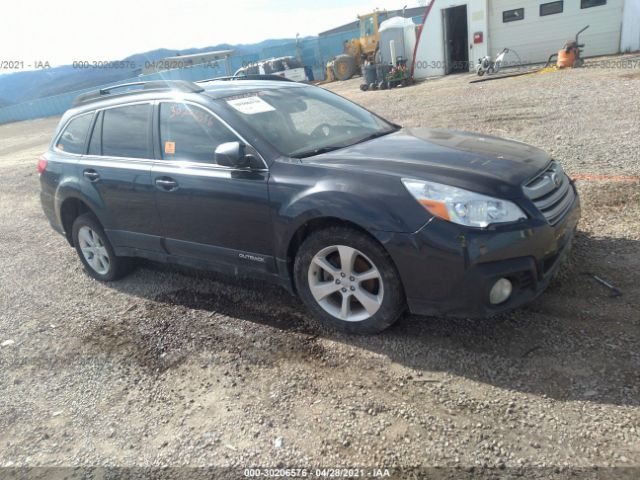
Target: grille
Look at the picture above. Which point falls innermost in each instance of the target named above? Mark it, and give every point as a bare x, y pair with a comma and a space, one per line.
551, 192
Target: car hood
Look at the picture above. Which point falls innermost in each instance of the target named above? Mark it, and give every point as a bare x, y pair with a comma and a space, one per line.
478, 162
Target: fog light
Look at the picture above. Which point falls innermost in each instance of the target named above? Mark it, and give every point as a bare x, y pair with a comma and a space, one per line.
500, 291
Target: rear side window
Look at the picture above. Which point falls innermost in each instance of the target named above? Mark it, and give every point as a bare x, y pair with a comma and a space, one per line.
75, 134
190, 133
125, 131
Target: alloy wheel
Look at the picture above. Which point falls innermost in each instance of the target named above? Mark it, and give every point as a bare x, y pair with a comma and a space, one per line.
346, 283
94, 250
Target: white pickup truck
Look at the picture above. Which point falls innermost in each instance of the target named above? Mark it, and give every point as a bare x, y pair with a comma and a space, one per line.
288, 67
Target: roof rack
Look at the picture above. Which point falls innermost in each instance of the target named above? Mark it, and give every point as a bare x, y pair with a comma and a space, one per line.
276, 78
153, 85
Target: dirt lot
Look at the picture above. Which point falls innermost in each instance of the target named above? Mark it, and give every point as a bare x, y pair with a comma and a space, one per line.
177, 368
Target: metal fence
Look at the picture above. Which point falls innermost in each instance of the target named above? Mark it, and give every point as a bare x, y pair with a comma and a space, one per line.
315, 52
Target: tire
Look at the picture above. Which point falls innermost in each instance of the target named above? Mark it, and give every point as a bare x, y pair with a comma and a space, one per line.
328, 296
344, 67
91, 242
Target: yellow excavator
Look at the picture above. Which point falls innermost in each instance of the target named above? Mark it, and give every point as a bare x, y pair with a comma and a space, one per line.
357, 51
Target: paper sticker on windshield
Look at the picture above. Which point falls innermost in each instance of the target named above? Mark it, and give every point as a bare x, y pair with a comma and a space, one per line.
250, 105
169, 147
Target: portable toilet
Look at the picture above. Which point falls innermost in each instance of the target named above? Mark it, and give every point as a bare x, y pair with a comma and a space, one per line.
402, 32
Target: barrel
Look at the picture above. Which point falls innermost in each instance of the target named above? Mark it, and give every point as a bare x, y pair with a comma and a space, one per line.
369, 74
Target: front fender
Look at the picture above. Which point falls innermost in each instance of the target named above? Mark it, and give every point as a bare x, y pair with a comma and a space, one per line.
375, 203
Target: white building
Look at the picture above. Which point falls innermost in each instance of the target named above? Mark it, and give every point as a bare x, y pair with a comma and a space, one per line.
459, 32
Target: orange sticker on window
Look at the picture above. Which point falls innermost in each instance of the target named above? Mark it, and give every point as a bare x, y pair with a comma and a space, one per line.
169, 147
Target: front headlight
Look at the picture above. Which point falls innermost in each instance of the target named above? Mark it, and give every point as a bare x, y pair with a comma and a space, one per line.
462, 206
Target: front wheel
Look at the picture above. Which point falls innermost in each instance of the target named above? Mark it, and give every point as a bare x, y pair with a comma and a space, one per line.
348, 281
344, 67
95, 250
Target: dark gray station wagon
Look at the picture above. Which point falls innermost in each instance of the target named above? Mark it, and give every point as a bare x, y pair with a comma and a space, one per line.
289, 182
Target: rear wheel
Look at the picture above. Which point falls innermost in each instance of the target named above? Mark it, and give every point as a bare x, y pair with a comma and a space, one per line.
95, 251
348, 281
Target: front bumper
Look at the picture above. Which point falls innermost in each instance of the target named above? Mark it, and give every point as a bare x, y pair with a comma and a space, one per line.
447, 269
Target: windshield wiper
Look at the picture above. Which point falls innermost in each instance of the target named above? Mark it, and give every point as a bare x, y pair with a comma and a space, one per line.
374, 135
317, 151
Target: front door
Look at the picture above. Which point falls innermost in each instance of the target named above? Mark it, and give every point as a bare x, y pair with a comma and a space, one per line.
209, 212
116, 175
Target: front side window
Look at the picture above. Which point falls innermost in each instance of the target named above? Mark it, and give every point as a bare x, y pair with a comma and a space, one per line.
592, 3
551, 8
513, 15
73, 138
125, 131
190, 133
305, 121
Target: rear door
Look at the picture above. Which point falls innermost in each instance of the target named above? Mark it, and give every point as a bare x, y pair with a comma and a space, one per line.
116, 175
209, 212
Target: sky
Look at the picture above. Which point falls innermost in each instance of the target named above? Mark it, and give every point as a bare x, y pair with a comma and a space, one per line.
63, 31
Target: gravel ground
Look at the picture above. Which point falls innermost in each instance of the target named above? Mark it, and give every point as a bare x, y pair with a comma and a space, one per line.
175, 368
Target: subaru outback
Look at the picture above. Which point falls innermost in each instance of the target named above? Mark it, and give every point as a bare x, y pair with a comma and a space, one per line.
277, 180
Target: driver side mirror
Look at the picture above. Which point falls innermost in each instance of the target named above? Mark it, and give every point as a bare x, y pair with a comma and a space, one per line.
232, 154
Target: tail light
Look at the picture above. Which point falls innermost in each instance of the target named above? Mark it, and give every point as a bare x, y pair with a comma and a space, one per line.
42, 165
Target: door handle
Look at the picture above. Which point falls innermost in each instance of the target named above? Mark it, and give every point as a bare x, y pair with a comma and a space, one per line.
166, 183
91, 175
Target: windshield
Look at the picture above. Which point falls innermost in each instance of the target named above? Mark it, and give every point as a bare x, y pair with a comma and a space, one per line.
300, 122
366, 26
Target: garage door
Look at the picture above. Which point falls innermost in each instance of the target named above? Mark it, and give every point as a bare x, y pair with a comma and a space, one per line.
519, 25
